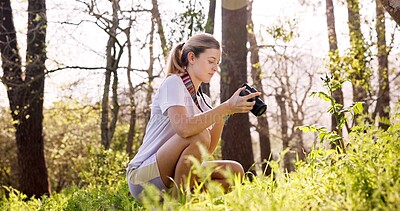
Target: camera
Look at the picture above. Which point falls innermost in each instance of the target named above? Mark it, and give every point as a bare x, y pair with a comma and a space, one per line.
260, 107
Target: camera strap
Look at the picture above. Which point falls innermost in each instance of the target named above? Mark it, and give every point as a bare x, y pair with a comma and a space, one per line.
190, 87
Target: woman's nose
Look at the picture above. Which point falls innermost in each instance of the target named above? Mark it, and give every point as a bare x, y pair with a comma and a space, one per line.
215, 67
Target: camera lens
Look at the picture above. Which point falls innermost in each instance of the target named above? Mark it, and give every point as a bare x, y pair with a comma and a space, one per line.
259, 107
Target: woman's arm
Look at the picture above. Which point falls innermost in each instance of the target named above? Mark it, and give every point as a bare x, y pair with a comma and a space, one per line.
216, 132
186, 126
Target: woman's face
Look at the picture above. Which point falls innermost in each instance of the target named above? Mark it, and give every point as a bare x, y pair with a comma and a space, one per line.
205, 66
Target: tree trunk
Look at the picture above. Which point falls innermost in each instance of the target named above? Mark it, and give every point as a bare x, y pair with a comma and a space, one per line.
150, 73
263, 125
104, 111
156, 14
295, 139
236, 138
115, 106
108, 127
334, 54
210, 18
26, 94
132, 125
393, 8
382, 104
359, 75
297, 143
209, 28
132, 102
280, 100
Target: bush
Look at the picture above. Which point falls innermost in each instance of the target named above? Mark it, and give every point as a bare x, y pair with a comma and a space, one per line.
8, 147
101, 197
103, 167
366, 177
103, 187
70, 128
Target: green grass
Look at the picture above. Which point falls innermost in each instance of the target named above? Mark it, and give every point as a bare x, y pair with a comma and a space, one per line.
367, 177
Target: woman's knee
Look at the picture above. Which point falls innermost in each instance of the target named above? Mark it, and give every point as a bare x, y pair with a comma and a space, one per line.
237, 168
202, 139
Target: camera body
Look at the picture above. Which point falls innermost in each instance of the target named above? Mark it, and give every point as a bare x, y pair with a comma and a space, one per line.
260, 107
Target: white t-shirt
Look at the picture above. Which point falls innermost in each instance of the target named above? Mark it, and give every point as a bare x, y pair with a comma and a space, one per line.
172, 92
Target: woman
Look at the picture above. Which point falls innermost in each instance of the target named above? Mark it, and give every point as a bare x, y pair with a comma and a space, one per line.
182, 121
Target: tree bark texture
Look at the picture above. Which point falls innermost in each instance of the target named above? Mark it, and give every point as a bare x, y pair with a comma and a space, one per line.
393, 8
132, 101
334, 54
383, 100
156, 14
150, 73
280, 100
236, 138
209, 28
263, 125
25, 94
359, 75
112, 55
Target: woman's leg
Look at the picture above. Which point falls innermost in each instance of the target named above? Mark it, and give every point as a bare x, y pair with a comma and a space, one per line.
172, 157
221, 166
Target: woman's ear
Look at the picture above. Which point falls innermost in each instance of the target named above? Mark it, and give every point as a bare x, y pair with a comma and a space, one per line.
190, 57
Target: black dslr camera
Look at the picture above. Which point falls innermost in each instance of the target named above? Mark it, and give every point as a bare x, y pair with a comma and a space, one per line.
260, 107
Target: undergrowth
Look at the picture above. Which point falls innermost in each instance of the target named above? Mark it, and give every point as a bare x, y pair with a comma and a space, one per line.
363, 173
367, 177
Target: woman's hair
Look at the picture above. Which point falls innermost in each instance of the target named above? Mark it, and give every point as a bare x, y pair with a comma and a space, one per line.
197, 44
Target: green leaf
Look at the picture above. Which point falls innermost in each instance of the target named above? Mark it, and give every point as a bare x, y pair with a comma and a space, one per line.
313, 94
358, 108
321, 95
336, 86
342, 122
304, 128
322, 136
324, 96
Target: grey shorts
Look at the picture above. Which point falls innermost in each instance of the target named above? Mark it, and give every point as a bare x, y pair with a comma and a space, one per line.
146, 173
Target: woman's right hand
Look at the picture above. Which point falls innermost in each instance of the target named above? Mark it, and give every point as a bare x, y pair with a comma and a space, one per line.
239, 104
